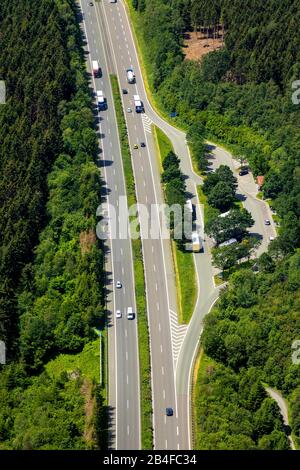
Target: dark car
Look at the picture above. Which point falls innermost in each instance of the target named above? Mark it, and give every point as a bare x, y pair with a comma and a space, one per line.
169, 411
124, 91
143, 144
244, 171
91, 4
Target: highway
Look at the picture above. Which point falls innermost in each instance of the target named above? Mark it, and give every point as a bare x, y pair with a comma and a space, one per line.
173, 347
124, 387
160, 282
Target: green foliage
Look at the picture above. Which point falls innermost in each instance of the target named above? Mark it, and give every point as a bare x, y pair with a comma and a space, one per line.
240, 96
139, 278
249, 336
233, 225
54, 191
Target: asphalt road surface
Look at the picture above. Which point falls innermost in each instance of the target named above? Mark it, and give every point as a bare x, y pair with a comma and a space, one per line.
173, 347
124, 388
160, 284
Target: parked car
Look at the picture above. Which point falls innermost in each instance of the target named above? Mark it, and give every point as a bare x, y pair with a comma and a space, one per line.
267, 222
243, 171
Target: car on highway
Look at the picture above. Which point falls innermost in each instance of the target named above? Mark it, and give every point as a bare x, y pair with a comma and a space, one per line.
118, 284
271, 238
91, 4
143, 144
118, 314
169, 411
267, 222
135, 146
243, 171
129, 110
130, 314
125, 91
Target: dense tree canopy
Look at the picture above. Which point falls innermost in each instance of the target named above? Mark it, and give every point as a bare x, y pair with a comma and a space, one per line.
51, 265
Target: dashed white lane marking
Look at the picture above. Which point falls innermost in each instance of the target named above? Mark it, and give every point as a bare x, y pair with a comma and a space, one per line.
159, 327
114, 171
128, 429
166, 444
110, 143
123, 271
109, 131
157, 306
156, 287
154, 268
127, 404
144, 183
147, 123
152, 249
126, 354
125, 332
127, 379
121, 251
164, 394
177, 431
162, 370
142, 168
161, 348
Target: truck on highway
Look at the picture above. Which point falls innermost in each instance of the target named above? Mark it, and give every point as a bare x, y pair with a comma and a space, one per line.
138, 104
101, 101
130, 75
196, 242
96, 69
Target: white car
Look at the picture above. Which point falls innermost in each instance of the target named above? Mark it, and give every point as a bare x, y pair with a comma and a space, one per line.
118, 314
130, 314
129, 110
99, 93
271, 239
118, 284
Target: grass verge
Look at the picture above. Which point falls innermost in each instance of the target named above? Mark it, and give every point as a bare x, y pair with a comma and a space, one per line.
185, 275
140, 291
203, 365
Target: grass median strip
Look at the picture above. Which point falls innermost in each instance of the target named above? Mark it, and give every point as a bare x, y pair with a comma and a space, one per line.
140, 290
183, 261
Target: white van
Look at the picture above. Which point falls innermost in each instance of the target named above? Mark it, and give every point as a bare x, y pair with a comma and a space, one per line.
130, 314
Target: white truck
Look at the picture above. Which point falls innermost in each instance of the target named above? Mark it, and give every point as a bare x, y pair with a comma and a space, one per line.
130, 75
138, 104
196, 242
228, 242
96, 69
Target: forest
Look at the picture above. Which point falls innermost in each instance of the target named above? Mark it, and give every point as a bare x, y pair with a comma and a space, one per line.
241, 97
51, 263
